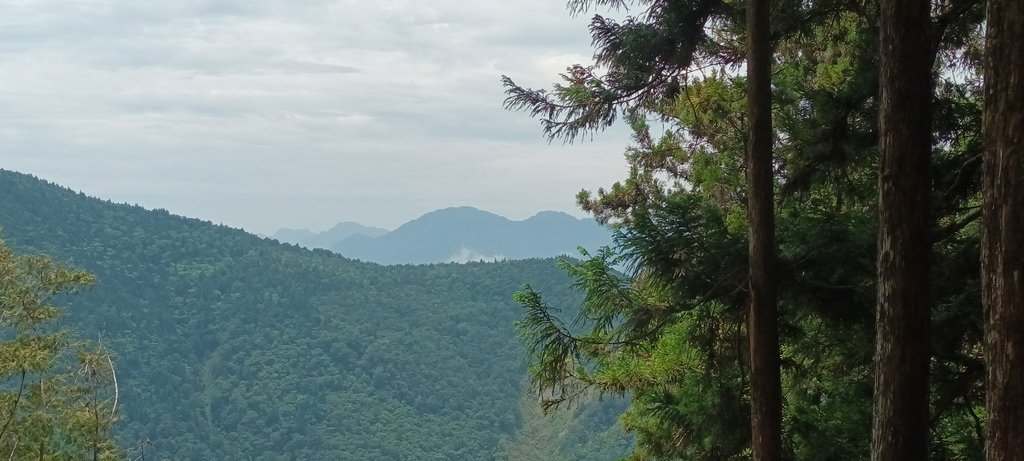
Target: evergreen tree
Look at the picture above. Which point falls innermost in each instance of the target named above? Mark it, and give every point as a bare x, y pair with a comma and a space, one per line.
900, 422
670, 330
763, 312
646, 60
1003, 244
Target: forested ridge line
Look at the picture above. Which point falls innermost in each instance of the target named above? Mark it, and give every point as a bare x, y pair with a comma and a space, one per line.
230, 346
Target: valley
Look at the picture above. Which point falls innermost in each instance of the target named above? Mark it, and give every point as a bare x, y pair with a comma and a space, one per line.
231, 346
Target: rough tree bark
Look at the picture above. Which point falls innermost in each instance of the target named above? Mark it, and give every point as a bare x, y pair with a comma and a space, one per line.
763, 330
900, 413
1003, 236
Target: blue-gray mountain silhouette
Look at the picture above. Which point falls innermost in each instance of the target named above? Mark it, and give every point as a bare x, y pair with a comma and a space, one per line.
463, 234
328, 238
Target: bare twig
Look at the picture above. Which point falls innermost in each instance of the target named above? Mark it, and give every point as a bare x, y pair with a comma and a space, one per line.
113, 375
13, 449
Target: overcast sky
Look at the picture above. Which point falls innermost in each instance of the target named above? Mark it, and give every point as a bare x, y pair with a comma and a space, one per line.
265, 114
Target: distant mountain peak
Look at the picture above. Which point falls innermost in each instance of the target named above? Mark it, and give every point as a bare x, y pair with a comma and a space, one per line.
465, 233
554, 215
460, 211
328, 238
344, 225
457, 234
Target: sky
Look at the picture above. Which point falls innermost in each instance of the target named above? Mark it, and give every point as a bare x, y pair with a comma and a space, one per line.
264, 114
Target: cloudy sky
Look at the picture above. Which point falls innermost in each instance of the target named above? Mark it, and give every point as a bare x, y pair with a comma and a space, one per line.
265, 114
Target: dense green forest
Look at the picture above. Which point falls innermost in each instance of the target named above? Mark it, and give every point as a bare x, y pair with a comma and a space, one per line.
229, 346
815, 229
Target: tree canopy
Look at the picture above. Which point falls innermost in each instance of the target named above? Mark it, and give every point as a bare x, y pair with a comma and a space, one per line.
58, 394
670, 329
229, 346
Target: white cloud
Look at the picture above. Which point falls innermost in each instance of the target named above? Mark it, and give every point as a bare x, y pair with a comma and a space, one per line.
468, 255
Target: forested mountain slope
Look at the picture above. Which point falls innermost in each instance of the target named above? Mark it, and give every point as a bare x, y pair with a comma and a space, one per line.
230, 346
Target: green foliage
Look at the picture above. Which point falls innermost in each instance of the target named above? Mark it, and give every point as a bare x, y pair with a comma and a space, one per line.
669, 330
575, 435
58, 395
633, 68
234, 347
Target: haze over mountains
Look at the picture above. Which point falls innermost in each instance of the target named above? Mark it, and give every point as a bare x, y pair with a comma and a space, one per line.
230, 346
328, 238
457, 234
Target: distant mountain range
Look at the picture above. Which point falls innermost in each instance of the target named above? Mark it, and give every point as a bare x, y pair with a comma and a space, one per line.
459, 234
328, 238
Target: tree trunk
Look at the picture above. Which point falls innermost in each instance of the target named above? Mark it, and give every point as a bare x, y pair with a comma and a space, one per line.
900, 417
763, 330
1002, 257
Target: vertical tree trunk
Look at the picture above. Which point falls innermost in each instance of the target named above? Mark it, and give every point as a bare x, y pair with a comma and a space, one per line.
1002, 257
900, 417
765, 385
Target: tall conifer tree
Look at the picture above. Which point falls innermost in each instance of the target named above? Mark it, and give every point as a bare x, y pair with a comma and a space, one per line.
762, 323
1003, 235
900, 415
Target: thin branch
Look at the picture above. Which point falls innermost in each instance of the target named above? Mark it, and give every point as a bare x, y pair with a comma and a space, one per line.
956, 226
14, 408
944, 19
961, 173
979, 427
113, 375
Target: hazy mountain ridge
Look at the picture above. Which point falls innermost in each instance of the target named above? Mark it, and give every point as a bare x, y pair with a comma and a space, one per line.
328, 238
462, 234
230, 346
